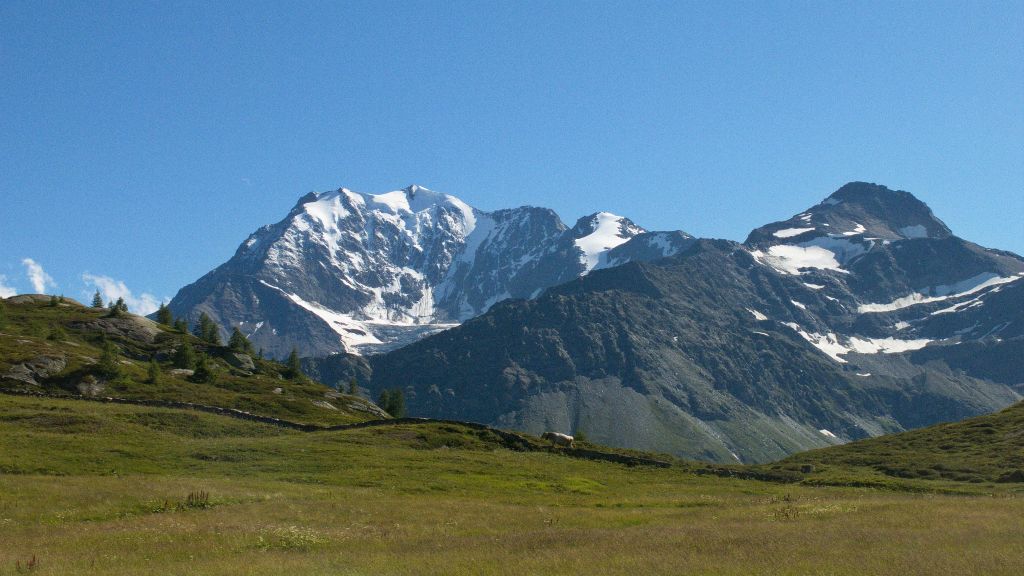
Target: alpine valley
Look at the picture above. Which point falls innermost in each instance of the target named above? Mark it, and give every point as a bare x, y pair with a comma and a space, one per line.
861, 316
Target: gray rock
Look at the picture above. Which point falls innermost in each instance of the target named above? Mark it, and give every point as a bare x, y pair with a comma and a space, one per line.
129, 327
38, 368
241, 361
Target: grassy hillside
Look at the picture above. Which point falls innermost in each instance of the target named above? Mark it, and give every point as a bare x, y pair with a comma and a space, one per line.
117, 489
984, 449
54, 347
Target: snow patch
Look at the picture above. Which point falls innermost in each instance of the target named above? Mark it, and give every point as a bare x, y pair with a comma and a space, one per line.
858, 229
792, 259
939, 293
798, 305
814, 286
826, 433
790, 232
607, 234
757, 315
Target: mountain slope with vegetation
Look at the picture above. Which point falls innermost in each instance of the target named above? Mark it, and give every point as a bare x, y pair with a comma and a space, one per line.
56, 346
984, 449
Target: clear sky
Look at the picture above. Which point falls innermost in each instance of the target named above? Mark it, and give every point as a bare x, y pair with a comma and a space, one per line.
141, 142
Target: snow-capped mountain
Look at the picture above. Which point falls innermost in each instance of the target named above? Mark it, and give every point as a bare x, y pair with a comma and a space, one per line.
363, 273
890, 271
861, 316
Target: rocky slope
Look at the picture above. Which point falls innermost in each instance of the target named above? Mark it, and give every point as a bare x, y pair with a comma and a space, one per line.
363, 273
861, 316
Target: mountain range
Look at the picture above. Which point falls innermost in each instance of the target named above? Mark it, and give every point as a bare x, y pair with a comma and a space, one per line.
860, 316
366, 273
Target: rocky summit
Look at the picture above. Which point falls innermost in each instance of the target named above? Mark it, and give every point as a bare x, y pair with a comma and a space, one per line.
363, 273
860, 316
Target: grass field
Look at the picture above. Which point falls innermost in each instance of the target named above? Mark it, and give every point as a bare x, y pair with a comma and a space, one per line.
90, 488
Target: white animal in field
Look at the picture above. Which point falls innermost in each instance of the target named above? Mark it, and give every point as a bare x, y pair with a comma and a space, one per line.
559, 439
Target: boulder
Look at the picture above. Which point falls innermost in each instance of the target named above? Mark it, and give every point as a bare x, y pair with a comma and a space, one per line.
241, 361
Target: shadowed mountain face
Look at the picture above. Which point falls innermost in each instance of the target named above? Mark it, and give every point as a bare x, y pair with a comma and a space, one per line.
861, 316
364, 273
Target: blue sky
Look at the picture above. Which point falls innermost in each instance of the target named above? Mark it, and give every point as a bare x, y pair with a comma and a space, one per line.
141, 142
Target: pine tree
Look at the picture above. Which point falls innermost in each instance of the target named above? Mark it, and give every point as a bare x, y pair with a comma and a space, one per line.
108, 362
118, 308
392, 402
204, 372
353, 387
163, 315
54, 301
154, 372
207, 330
97, 300
294, 366
239, 343
397, 404
185, 356
384, 401
181, 325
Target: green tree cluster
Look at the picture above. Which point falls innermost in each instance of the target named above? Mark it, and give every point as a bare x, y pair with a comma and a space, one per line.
392, 402
97, 300
207, 330
119, 308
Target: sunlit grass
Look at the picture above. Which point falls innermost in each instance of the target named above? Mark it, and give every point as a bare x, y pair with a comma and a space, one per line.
92, 488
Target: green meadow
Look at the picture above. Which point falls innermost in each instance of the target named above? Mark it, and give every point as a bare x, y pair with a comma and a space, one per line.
93, 488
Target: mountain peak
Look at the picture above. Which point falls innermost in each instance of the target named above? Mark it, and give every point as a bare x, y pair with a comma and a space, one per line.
598, 233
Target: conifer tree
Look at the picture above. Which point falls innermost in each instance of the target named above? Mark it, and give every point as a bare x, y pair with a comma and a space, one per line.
154, 372
353, 387
207, 330
238, 342
108, 362
294, 366
181, 325
97, 300
384, 401
185, 356
118, 308
392, 402
397, 403
163, 315
54, 301
204, 372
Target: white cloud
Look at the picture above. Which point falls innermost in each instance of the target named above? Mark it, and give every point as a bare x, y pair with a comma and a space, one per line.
37, 276
112, 289
5, 290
